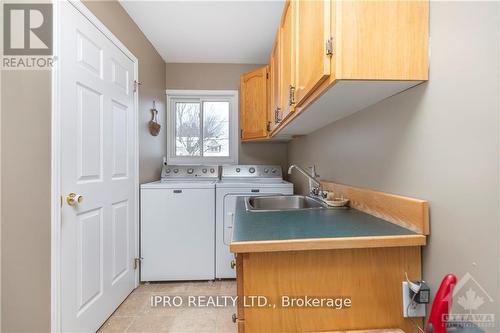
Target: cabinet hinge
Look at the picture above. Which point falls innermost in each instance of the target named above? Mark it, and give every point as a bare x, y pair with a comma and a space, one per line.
329, 46
267, 76
241, 133
268, 126
291, 97
277, 115
137, 262
136, 85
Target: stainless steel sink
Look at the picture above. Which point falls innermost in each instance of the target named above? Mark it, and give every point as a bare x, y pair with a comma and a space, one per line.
276, 203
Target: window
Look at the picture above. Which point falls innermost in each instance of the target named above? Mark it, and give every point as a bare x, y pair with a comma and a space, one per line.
202, 126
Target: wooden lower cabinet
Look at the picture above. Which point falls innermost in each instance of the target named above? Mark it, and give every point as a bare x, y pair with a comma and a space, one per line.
370, 278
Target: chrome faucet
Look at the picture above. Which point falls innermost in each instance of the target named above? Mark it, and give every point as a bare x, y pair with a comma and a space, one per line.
314, 184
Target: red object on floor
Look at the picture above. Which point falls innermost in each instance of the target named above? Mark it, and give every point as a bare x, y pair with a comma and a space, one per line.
441, 305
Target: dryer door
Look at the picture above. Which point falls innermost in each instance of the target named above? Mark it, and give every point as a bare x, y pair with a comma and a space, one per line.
230, 207
224, 256
229, 210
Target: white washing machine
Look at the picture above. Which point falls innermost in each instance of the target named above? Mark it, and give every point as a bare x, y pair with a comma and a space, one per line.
240, 181
178, 224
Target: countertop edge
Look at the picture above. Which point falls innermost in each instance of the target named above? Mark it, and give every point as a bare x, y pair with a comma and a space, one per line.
327, 243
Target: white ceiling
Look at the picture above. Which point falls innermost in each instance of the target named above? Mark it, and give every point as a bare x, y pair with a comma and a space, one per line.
209, 31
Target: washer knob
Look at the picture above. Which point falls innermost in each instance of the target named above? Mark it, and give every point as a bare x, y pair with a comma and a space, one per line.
190, 170
251, 170
212, 170
176, 170
273, 170
167, 171
204, 170
266, 170
238, 169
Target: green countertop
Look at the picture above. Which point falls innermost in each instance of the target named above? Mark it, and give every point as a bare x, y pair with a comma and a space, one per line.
309, 224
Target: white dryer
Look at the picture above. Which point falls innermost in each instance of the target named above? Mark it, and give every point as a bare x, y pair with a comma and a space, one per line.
178, 224
240, 181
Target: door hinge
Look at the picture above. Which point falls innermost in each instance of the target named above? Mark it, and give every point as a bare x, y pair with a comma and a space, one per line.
136, 85
291, 97
277, 115
329, 46
137, 262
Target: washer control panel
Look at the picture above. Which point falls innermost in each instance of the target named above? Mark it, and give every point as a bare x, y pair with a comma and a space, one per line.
252, 171
189, 171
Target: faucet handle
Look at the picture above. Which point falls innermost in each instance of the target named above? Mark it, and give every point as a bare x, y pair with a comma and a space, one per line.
315, 191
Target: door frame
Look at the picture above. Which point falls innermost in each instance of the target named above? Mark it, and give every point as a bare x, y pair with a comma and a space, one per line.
56, 195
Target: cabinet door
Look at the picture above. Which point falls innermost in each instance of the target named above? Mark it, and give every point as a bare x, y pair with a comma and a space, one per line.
240, 310
274, 81
287, 62
392, 48
311, 37
254, 104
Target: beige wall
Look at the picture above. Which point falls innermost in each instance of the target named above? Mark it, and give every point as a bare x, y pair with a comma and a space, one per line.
206, 76
151, 75
438, 141
25, 252
225, 77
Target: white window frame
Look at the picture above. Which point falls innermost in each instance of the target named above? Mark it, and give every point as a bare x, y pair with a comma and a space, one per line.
203, 95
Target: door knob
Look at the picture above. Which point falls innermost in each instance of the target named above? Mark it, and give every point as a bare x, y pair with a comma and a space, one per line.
73, 199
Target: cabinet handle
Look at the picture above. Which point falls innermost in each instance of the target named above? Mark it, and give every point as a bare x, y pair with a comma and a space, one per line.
233, 264
291, 97
329, 47
277, 117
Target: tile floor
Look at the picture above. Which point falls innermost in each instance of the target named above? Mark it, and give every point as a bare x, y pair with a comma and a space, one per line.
136, 314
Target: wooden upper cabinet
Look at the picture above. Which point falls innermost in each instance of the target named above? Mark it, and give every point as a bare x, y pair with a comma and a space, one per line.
254, 104
287, 60
329, 55
383, 40
312, 36
274, 86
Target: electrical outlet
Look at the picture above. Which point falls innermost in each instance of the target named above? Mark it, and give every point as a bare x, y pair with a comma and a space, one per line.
411, 308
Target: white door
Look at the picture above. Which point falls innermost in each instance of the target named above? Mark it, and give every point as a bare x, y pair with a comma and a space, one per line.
98, 162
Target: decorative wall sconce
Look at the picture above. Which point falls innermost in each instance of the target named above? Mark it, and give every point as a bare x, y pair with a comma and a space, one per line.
154, 125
